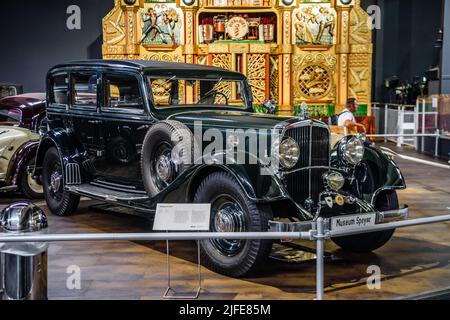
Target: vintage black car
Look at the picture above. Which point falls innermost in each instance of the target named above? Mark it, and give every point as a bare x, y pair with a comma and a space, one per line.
21, 120
138, 133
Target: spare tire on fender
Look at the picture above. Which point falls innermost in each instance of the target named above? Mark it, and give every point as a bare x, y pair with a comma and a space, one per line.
167, 150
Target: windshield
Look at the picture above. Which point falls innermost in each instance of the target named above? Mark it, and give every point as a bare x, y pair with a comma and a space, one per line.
174, 91
10, 116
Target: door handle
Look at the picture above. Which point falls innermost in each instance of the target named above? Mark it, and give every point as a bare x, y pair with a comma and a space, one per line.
94, 121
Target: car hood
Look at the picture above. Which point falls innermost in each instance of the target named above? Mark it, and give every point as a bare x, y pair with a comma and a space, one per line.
15, 136
232, 119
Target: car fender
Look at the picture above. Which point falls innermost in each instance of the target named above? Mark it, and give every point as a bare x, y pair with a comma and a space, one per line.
388, 176
258, 182
18, 162
68, 148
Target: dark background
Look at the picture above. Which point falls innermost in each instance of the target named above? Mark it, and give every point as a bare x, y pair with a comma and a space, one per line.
35, 37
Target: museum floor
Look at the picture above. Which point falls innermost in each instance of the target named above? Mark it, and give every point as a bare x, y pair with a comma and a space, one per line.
415, 261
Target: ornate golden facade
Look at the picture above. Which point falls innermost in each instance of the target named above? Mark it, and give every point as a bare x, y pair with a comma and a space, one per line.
293, 51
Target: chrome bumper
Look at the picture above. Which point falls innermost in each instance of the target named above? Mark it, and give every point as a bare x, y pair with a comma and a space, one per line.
305, 226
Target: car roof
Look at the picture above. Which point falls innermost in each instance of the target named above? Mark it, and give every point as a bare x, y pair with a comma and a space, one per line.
22, 101
149, 66
9, 84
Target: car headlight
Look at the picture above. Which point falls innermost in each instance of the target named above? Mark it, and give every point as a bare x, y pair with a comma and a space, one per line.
334, 180
289, 153
351, 150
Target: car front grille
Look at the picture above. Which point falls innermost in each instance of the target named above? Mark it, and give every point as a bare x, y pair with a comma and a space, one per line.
314, 151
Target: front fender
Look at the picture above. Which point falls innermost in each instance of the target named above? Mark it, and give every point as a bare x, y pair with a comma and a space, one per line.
386, 174
19, 161
70, 150
256, 180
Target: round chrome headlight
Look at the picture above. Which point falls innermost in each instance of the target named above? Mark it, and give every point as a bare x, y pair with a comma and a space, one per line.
352, 151
334, 180
289, 153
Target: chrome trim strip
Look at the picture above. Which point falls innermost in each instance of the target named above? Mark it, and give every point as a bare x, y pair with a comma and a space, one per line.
108, 187
94, 195
107, 183
312, 168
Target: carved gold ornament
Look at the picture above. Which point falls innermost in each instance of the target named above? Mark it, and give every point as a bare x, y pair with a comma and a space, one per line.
314, 81
257, 76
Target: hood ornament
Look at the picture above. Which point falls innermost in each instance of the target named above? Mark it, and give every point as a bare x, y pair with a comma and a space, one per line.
303, 115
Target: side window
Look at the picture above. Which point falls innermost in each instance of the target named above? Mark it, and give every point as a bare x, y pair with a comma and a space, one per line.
122, 92
84, 89
59, 88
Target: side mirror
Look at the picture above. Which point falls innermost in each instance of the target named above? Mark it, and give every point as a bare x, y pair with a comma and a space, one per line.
270, 106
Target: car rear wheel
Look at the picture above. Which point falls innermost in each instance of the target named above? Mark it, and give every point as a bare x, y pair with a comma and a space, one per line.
232, 211
29, 186
59, 201
368, 242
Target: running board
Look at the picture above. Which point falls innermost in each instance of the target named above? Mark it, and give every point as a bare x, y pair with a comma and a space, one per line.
105, 194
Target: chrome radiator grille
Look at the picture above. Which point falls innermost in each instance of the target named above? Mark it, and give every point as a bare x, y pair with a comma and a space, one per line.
314, 143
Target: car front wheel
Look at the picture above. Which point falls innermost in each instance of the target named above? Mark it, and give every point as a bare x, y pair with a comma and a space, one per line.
59, 201
232, 211
368, 242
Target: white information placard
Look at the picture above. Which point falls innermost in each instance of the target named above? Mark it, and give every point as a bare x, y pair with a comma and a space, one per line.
182, 217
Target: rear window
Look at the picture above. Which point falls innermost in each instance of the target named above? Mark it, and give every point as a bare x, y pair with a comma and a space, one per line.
59, 88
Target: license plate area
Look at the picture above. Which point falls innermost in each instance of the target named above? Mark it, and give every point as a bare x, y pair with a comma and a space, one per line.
352, 222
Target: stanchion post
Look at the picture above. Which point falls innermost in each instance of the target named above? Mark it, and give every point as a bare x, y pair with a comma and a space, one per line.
436, 144
400, 125
423, 124
416, 124
385, 121
320, 248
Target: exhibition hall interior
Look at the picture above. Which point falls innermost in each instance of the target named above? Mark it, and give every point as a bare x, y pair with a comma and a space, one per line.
231, 150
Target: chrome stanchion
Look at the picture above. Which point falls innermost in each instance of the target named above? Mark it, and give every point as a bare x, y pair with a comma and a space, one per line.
170, 293
2, 284
320, 249
24, 265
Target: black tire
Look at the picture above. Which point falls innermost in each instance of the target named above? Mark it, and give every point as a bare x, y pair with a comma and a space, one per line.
233, 257
157, 153
364, 243
28, 190
59, 201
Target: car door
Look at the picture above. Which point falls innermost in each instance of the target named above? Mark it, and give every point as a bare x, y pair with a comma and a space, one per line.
85, 119
125, 123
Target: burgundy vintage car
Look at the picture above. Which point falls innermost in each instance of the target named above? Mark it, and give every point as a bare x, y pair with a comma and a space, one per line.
22, 118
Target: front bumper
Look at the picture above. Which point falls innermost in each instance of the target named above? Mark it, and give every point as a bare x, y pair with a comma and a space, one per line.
305, 226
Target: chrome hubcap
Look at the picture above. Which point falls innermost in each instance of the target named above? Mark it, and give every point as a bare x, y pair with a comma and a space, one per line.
228, 217
55, 181
164, 168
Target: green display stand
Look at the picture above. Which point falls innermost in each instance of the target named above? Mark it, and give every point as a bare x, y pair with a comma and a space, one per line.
317, 110
362, 110
261, 109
